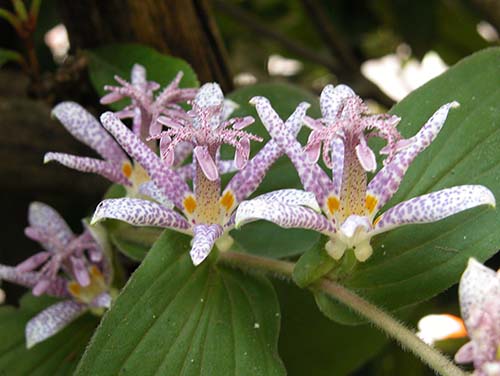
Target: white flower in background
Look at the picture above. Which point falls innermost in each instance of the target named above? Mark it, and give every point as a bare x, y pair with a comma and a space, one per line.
397, 76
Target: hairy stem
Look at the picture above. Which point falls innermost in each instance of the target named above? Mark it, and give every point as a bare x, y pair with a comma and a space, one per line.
407, 339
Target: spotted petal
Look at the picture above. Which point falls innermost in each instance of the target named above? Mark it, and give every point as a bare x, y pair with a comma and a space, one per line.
246, 181
50, 225
313, 178
434, 206
338, 155
109, 170
477, 283
332, 98
204, 237
387, 181
139, 212
151, 190
173, 186
85, 128
57, 286
295, 197
287, 216
52, 320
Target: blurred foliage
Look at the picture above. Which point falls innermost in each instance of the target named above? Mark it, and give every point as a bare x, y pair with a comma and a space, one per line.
370, 28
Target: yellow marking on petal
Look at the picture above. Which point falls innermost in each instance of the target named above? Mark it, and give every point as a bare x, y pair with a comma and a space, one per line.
87, 294
190, 204
377, 220
333, 204
74, 289
227, 201
371, 203
95, 272
127, 169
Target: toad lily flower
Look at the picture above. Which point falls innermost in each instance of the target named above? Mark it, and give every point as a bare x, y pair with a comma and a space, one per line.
86, 289
115, 165
206, 213
479, 294
350, 204
146, 110
77, 300
63, 249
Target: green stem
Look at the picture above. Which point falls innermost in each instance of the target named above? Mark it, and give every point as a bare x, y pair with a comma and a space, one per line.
383, 320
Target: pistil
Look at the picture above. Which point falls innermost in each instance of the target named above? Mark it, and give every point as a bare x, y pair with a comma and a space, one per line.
207, 194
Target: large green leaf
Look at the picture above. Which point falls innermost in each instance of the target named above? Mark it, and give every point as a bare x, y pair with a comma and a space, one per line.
310, 344
175, 319
57, 355
414, 263
264, 238
118, 59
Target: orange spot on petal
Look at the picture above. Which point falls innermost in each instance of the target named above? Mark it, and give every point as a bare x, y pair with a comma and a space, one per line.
333, 204
74, 288
371, 203
227, 201
95, 272
377, 220
127, 169
190, 204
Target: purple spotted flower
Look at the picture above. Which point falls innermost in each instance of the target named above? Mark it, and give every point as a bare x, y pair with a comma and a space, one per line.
479, 294
146, 109
115, 165
204, 212
69, 268
344, 207
63, 250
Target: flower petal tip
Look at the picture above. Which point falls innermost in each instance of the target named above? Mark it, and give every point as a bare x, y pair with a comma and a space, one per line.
473, 263
96, 218
107, 116
254, 101
454, 104
489, 198
48, 157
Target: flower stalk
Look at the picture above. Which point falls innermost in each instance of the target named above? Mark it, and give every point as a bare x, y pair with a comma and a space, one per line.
383, 320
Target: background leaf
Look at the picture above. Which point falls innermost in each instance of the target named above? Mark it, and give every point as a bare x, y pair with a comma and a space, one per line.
414, 263
207, 320
9, 55
118, 59
57, 355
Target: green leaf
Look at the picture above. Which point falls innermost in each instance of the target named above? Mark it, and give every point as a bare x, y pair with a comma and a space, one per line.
313, 264
207, 320
57, 355
118, 59
310, 344
264, 238
10, 55
414, 263
134, 242
115, 191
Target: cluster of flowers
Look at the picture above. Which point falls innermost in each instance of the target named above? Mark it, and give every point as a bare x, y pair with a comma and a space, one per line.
342, 205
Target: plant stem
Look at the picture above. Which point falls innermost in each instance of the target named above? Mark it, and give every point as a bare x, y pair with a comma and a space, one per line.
408, 340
